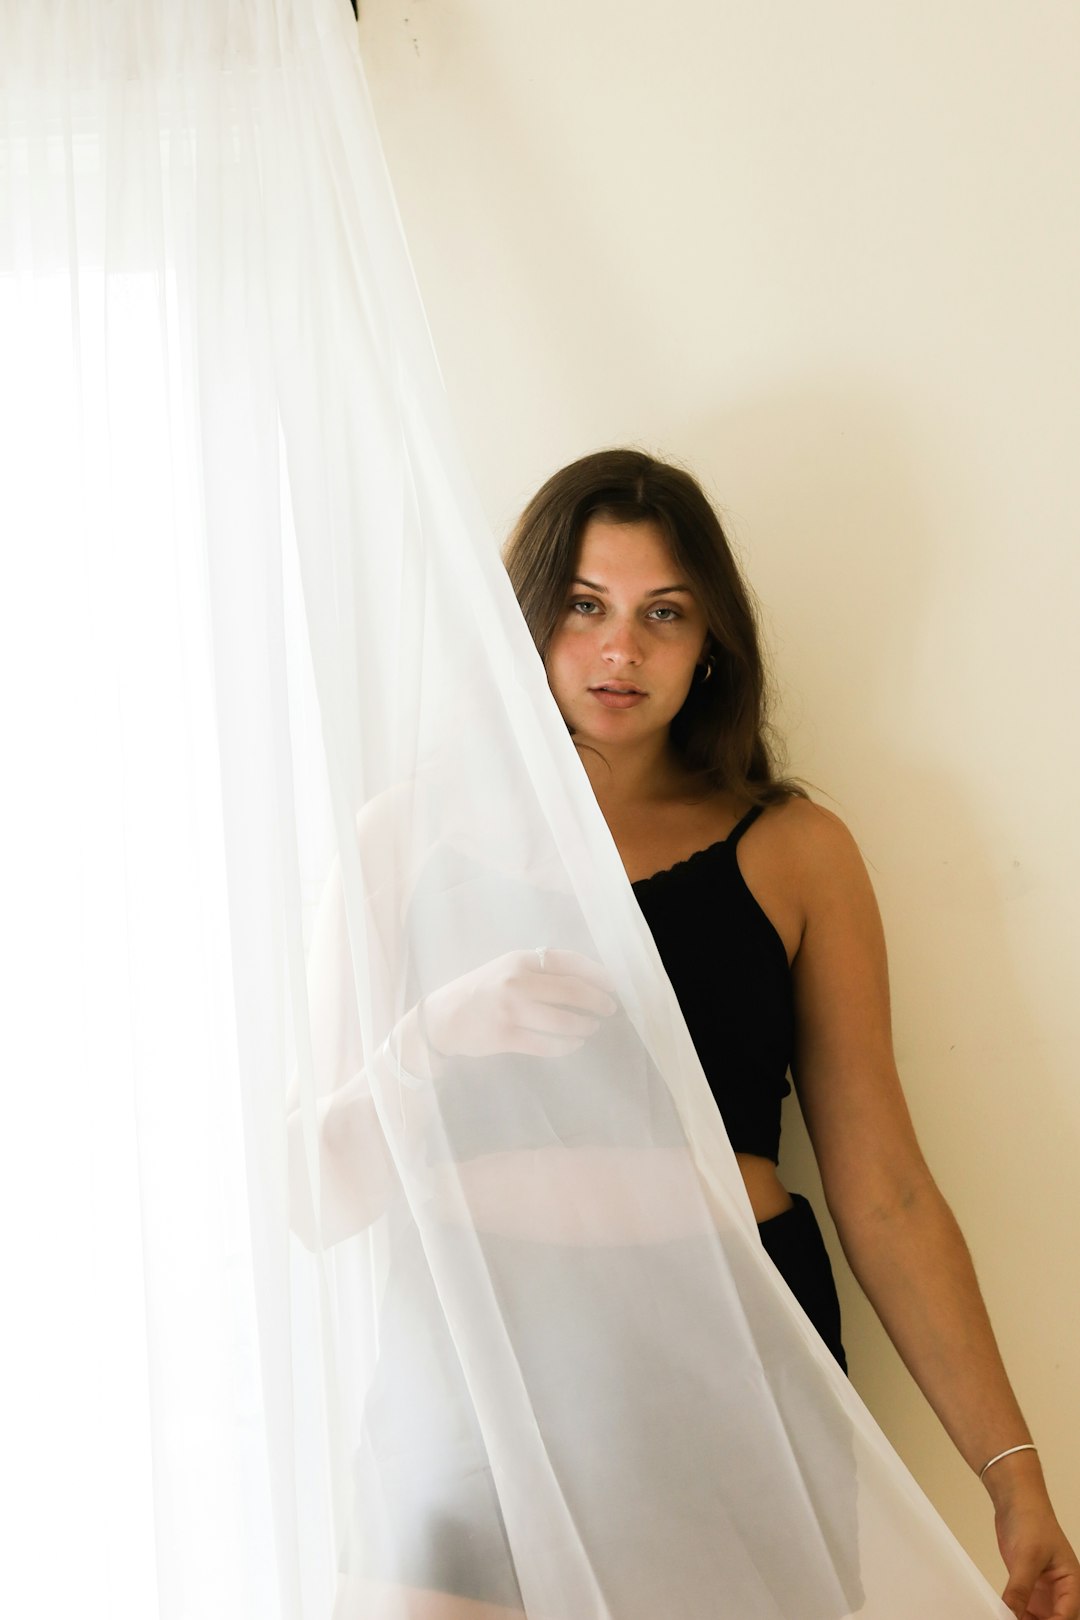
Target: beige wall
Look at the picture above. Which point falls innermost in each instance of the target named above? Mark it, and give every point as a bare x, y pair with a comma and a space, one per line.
828, 255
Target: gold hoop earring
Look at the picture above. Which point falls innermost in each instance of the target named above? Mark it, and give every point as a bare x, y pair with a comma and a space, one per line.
708, 668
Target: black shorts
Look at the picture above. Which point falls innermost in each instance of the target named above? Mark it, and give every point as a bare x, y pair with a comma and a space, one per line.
794, 1244
438, 1524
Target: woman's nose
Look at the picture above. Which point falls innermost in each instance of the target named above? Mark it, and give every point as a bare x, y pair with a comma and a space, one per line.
622, 641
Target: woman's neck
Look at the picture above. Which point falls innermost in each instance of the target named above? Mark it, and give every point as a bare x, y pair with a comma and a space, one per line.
625, 780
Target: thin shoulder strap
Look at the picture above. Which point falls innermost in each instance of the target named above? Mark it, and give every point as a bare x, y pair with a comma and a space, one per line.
740, 827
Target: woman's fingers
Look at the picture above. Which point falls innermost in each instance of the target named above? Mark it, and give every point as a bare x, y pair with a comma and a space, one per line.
546, 1019
563, 1004
569, 979
572, 965
561, 990
533, 1043
511, 1005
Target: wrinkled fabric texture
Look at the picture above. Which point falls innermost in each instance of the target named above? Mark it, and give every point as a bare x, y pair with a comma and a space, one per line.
506, 1328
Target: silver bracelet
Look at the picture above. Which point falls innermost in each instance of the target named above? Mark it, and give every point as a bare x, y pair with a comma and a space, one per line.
1026, 1447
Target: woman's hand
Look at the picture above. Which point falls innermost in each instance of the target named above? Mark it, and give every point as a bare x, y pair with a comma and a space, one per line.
1044, 1575
512, 1005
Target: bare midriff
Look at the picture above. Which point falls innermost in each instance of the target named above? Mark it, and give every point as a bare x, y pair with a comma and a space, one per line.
597, 1194
767, 1194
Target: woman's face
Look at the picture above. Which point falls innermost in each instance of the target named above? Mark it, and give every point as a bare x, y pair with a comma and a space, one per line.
631, 625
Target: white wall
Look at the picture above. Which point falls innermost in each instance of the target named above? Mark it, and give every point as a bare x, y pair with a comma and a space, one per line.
828, 255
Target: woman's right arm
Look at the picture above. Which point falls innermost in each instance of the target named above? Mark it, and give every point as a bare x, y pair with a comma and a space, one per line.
505, 1005
357, 1174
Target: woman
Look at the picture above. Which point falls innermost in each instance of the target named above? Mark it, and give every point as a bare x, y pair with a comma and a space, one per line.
635, 602
764, 918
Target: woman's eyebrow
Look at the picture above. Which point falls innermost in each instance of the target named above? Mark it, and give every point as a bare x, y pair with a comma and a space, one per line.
661, 590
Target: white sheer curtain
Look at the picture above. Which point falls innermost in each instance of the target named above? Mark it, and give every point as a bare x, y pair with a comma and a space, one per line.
307, 1322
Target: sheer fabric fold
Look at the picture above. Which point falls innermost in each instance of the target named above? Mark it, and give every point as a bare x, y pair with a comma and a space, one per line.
497, 1322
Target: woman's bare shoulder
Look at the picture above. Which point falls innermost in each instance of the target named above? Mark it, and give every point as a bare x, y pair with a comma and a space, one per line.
812, 851
809, 828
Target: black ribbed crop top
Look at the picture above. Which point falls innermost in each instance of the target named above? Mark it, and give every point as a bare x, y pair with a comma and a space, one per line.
727, 966
729, 970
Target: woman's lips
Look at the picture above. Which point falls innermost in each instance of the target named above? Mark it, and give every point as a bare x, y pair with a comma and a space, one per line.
617, 700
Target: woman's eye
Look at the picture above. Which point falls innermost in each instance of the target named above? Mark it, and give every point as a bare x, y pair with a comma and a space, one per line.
583, 606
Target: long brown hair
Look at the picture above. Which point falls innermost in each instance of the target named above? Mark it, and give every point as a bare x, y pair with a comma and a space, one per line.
722, 732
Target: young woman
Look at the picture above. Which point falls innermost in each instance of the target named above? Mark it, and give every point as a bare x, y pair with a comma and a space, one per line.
775, 950
765, 921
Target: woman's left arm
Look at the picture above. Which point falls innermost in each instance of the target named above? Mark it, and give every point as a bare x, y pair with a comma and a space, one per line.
898, 1233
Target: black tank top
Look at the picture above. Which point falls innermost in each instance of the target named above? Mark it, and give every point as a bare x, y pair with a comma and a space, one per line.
725, 960
729, 970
